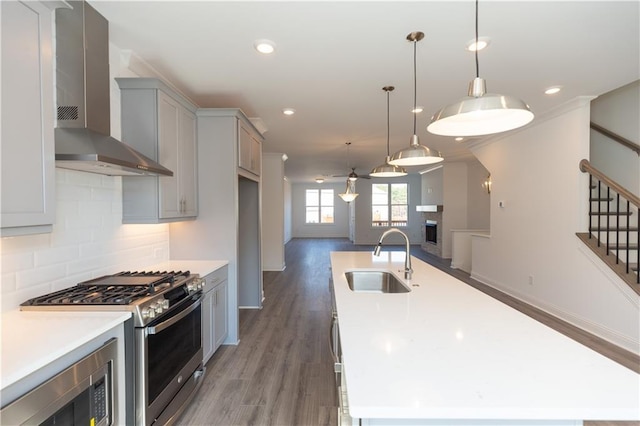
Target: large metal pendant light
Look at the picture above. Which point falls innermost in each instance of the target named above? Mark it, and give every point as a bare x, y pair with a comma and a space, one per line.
386, 169
416, 154
480, 113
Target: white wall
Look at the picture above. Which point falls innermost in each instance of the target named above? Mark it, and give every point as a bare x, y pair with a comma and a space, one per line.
458, 187
432, 187
617, 111
365, 233
478, 199
454, 214
88, 238
533, 252
288, 225
273, 212
340, 227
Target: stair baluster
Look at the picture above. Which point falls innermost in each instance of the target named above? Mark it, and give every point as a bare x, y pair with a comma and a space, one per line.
617, 254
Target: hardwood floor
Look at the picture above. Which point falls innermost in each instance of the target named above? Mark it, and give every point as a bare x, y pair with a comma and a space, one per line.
281, 373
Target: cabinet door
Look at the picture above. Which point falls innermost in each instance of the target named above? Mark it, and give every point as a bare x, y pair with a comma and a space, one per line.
244, 147
256, 155
168, 137
207, 326
27, 151
220, 313
188, 172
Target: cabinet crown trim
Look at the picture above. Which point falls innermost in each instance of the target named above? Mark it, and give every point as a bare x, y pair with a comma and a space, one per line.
157, 84
229, 112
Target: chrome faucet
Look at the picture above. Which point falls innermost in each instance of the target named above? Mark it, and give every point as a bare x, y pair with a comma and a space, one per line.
407, 259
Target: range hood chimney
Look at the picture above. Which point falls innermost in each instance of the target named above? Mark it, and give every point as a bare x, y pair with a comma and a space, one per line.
82, 133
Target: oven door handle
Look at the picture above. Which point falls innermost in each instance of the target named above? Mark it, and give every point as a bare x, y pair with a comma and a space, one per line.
171, 321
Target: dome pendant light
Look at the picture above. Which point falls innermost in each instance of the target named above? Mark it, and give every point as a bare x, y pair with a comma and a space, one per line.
416, 154
480, 113
386, 169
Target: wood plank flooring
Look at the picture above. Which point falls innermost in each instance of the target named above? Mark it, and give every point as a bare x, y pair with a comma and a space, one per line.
281, 373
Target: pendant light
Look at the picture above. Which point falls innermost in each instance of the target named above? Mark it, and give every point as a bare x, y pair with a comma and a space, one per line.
416, 154
386, 169
480, 113
350, 193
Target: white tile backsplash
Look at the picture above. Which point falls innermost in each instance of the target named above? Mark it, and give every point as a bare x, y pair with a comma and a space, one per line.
88, 241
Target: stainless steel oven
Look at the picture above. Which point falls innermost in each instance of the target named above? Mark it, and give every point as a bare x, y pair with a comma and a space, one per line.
169, 362
80, 395
167, 352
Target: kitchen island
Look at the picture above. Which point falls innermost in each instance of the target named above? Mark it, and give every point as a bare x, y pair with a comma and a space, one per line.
446, 353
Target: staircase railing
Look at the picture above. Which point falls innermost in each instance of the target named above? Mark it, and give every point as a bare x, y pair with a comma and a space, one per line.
608, 191
616, 137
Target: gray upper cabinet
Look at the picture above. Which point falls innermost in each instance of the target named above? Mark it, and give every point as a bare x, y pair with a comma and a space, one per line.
161, 124
27, 150
249, 151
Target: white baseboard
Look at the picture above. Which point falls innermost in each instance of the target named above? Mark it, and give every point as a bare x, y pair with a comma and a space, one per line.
274, 268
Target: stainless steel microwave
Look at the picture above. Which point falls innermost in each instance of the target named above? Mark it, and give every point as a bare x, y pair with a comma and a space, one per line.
80, 395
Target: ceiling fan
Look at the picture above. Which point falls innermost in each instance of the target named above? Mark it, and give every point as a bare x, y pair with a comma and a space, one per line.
353, 176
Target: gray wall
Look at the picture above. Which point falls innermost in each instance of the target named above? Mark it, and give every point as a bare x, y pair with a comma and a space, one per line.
617, 111
340, 227
365, 233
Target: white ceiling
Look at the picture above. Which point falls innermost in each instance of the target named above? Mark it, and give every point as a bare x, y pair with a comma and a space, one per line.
333, 58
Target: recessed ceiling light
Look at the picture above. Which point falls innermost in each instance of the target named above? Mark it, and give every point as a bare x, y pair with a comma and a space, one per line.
288, 111
483, 42
319, 180
264, 46
417, 110
552, 90
459, 139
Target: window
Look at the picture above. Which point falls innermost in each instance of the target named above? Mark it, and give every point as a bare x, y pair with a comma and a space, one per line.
389, 204
319, 206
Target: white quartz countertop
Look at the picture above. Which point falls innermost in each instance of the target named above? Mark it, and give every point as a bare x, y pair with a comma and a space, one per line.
31, 340
448, 351
200, 267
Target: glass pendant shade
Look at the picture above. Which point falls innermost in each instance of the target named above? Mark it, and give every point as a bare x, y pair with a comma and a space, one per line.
350, 193
480, 114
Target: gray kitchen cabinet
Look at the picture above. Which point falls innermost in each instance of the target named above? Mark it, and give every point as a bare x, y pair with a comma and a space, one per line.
27, 150
249, 150
161, 124
230, 216
214, 312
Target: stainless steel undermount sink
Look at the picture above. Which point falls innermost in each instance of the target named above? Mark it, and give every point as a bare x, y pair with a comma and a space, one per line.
375, 282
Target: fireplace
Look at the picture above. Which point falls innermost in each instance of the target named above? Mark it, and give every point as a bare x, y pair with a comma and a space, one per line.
431, 231
432, 238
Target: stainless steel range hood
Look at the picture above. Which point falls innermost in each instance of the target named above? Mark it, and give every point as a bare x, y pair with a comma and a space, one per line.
82, 134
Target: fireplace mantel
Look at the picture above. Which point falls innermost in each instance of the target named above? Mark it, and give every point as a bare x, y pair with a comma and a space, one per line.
430, 208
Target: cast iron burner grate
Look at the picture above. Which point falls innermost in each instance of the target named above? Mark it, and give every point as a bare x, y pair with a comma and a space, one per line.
119, 289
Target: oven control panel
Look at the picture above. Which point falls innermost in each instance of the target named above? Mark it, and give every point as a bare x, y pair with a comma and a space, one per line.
160, 303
